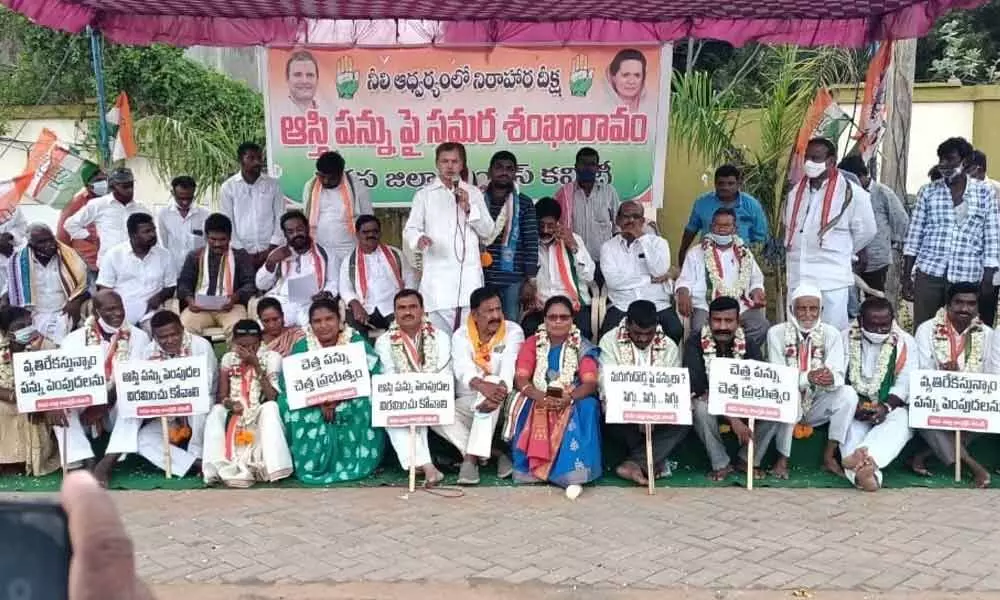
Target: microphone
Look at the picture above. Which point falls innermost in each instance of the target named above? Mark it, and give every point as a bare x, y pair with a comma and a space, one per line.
455, 186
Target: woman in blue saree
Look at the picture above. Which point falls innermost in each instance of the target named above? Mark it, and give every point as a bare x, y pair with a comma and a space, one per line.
554, 420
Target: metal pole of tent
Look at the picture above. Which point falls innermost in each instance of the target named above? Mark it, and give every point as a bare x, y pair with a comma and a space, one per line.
97, 60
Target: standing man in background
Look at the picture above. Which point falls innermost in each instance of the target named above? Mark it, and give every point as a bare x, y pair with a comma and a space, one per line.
254, 203
446, 223
181, 224
334, 200
513, 244
976, 169
86, 247
751, 221
589, 206
108, 214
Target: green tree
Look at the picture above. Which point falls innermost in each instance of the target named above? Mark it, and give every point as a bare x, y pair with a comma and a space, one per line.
189, 119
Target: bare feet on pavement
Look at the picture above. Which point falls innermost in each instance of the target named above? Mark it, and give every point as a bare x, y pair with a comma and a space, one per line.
632, 472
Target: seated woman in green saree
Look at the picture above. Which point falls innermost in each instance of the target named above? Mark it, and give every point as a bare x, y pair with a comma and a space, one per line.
334, 441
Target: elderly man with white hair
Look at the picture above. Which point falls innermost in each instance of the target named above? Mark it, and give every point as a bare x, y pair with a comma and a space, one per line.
816, 349
50, 279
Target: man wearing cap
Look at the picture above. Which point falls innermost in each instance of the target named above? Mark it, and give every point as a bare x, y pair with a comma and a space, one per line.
108, 213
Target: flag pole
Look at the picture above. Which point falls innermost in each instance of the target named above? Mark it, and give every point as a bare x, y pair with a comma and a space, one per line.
97, 60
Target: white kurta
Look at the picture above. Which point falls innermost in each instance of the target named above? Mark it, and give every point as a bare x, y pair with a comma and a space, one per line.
548, 281
886, 440
400, 436
694, 275
136, 279
382, 284
451, 265
299, 266
924, 339
255, 210
108, 216
145, 437
181, 235
48, 298
827, 266
472, 432
834, 404
16, 225
78, 446
629, 270
332, 229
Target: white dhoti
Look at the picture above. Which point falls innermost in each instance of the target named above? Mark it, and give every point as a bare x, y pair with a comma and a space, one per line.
77, 447
884, 441
400, 438
266, 459
145, 437
53, 324
472, 432
836, 408
835, 308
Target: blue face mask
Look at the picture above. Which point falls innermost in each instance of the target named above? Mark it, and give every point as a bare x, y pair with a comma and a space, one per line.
721, 240
586, 176
24, 335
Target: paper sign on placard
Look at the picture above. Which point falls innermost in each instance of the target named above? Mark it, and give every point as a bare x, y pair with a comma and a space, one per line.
302, 289
59, 379
326, 375
753, 389
206, 302
954, 401
175, 387
413, 399
656, 395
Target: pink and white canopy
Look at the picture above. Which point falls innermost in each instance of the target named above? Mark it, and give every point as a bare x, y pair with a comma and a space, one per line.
515, 22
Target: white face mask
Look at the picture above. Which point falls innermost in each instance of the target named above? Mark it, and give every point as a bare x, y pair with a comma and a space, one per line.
105, 327
813, 169
951, 174
100, 188
721, 240
875, 338
24, 335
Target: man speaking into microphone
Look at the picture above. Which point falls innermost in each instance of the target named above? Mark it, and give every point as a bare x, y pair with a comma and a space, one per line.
447, 220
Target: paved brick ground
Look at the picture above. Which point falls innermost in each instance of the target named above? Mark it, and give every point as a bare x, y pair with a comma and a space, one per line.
912, 540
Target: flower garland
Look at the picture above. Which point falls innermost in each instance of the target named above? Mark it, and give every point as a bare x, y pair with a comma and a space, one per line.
120, 345
569, 359
868, 387
312, 342
405, 352
159, 354
245, 391
817, 358
974, 336
626, 349
713, 265
708, 348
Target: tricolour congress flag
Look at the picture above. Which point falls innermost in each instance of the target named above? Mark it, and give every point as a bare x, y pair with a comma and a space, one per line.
120, 118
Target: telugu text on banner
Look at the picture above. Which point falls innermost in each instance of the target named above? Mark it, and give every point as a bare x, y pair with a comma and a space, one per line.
331, 374
386, 110
955, 401
656, 395
59, 379
413, 399
753, 389
176, 387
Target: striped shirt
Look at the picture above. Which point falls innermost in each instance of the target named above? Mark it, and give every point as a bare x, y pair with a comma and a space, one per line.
526, 254
947, 245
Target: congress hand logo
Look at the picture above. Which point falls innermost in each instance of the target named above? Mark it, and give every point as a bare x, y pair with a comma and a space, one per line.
347, 78
581, 77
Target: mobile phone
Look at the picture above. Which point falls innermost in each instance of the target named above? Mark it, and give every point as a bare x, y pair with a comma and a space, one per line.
34, 551
554, 392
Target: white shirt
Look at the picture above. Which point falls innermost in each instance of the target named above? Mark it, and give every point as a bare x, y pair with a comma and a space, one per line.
109, 216
643, 358
382, 283
199, 347
449, 275
629, 269
299, 265
694, 275
16, 226
549, 283
255, 210
501, 360
47, 292
928, 360
828, 266
383, 347
332, 230
869, 360
835, 354
137, 342
136, 279
179, 235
